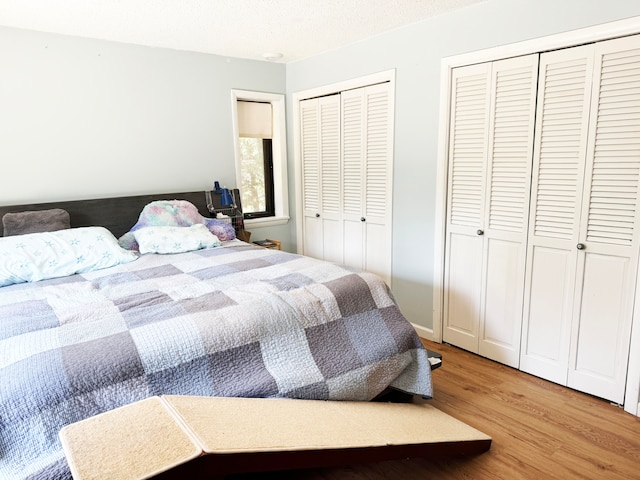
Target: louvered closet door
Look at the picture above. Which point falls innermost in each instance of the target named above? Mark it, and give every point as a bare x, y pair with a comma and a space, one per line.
468, 134
492, 122
321, 191
367, 168
558, 174
607, 265
510, 156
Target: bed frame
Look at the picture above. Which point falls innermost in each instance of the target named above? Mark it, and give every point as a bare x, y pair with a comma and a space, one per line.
117, 214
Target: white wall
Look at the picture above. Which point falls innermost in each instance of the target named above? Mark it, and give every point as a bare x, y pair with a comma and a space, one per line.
83, 118
415, 52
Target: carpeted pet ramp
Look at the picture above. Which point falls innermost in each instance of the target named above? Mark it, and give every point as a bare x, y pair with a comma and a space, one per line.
209, 436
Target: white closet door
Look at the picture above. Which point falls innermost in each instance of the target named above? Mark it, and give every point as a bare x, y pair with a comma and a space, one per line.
367, 168
378, 175
607, 265
492, 124
558, 174
353, 154
468, 134
510, 153
320, 140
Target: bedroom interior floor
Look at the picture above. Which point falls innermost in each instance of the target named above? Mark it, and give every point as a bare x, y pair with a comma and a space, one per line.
539, 430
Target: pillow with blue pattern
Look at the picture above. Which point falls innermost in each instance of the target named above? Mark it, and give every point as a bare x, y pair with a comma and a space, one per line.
165, 239
39, 256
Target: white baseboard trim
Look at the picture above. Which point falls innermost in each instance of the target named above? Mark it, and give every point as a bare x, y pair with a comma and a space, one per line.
423, 332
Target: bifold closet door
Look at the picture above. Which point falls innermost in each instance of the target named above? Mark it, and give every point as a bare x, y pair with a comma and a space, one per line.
468, 127
559, 157
490, 155
321, 181
607, 265
583, 243
347, 171
367, 172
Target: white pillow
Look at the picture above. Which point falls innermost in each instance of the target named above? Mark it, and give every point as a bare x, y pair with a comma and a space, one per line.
38, 256
175, 239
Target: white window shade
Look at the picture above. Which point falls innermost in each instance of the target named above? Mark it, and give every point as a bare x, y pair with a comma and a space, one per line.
254, 119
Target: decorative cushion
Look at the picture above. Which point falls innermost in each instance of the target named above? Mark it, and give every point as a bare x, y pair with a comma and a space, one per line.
38, 256
37, 221
174, 213
175, 239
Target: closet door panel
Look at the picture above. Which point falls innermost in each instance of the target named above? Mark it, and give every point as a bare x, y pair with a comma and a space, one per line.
464, 277
367, 167
353, 153
492, 125
331, 240
330, 136
378, 172
330, 139
470, 96
502, 302
549, 298
353, 243
609, 229
512, 117
377, 243
601, 332
379, 147
353, 175
564, 87
313, 244
310, 154
320, 134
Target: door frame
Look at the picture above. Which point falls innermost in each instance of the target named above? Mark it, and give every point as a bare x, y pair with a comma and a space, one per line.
573, 38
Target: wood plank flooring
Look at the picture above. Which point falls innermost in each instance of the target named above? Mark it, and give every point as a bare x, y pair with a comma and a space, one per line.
540, 430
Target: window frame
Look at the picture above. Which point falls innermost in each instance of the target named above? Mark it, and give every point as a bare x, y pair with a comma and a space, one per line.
279, 151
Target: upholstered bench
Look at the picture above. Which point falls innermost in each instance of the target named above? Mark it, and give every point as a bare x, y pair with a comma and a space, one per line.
186, 437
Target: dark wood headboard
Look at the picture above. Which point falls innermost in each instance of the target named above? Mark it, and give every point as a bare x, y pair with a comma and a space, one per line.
117, 214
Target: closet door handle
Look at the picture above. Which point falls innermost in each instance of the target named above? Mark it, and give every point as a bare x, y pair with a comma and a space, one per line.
317, 215
580, 246
480, 232
362, 219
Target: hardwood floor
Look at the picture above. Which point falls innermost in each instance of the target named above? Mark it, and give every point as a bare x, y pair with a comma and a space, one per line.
540, 430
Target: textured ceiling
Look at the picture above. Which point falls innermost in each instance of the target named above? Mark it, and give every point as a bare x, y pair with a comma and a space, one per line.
236, 28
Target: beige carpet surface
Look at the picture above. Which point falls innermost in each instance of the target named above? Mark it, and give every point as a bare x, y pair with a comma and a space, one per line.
135, 441
154, 435
225, 425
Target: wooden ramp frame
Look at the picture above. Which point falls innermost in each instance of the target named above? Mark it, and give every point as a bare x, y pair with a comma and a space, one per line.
204, 437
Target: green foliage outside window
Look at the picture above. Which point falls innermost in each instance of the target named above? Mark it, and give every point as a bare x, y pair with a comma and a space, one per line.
252, 188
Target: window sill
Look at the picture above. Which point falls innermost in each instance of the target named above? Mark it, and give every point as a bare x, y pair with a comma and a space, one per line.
266, 222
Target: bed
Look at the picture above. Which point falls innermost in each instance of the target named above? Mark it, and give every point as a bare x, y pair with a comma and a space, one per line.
226, 319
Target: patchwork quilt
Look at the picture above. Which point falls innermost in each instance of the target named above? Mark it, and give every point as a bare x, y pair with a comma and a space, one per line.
234, 321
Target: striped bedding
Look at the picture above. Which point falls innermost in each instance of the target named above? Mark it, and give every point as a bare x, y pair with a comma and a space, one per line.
236, 320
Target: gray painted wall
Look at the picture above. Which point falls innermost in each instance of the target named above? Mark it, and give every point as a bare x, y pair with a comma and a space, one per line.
83, 118
415, 52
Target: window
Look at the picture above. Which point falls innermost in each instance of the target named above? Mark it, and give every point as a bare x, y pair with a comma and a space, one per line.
256, 158
260, 151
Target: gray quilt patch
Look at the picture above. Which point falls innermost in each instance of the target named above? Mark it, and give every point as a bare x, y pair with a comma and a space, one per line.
37, 314
290, 282
352, 294
94, 364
